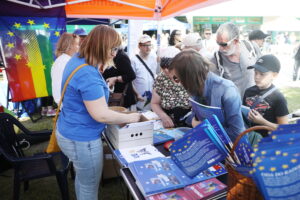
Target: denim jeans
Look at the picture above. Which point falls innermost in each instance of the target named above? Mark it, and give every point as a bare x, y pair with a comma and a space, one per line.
87, 158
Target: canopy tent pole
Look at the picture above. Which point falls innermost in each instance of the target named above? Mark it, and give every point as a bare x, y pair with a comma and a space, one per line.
39, 6
132, 4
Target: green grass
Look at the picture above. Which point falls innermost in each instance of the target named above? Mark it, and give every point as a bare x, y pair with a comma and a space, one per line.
292, 95
47, 188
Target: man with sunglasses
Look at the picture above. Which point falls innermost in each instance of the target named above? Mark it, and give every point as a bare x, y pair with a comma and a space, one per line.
233, 58
208, 43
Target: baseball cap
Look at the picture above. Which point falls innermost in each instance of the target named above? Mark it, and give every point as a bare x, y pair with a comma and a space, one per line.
257, 35
144, 39
168, 52
166, 55
80, 32
267, 63
192, 39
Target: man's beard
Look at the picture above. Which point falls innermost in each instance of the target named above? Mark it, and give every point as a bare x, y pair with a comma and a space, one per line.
230, 51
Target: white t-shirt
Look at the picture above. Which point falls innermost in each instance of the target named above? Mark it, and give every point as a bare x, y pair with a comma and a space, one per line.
209, 48
56, 75
143, 82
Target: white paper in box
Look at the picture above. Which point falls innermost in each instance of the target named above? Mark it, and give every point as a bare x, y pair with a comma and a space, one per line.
130, 135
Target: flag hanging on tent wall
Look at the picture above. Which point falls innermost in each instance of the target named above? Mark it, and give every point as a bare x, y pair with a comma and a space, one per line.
28, 45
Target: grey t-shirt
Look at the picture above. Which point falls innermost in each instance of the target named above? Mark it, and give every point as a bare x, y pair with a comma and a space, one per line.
238, 73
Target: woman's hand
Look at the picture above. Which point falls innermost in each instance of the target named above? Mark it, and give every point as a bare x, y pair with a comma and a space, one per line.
111, 81
139, 98
256, 117
195, 122
167, 121
134, 117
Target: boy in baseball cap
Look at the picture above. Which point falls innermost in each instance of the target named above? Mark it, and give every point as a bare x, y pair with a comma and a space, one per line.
268, 105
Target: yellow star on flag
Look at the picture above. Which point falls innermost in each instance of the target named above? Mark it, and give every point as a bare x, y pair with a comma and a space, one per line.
293, 160
57, 33
31, 22
17, 57
46, 25
261, 168
10, 33
17, 25
285, 166
273, 169
10, 45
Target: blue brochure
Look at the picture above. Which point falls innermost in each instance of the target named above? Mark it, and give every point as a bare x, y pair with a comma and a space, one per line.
162, 174
199, 149
278, 176
163, 135
203, 112
277, 164
216, 124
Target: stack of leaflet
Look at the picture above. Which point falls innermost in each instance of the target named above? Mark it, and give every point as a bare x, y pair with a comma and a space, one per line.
206, 145
209, 189
203, 112
129, 155
164, 135
277, 164
162, 174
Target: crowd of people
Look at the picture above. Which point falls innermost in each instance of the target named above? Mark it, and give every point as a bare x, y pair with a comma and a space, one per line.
227, 72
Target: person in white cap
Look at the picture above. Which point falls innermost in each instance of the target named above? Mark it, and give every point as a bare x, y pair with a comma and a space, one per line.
194, 41
144, 65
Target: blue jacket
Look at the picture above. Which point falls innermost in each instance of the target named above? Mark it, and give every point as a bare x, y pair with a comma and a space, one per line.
220, 92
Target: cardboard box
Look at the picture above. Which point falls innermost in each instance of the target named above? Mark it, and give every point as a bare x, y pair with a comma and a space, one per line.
111, 166
130, 135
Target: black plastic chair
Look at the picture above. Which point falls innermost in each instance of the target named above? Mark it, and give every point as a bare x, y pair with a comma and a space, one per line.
30, 167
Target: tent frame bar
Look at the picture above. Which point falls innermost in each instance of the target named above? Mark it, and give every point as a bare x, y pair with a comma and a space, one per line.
133, 5
87, 19
39, 6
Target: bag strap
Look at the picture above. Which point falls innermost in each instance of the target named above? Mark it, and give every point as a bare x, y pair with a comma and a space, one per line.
260, 98
250, 48
151, 73
125, 89
63, 93
219, 60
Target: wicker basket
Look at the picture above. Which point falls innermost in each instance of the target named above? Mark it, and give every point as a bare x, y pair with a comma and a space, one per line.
241, 187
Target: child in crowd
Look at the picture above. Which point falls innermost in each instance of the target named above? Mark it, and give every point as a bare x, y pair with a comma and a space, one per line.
267, 104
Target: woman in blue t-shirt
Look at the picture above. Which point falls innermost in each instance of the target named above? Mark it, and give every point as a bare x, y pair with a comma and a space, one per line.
85, 112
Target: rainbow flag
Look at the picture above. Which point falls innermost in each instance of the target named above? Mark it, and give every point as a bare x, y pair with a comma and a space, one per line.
28, 45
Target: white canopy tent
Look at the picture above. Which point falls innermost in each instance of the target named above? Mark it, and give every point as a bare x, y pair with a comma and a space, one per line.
251, 8
168, 24
282, 24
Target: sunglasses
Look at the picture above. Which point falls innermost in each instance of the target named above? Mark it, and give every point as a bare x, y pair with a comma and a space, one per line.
225, 44
207, 33
146, 45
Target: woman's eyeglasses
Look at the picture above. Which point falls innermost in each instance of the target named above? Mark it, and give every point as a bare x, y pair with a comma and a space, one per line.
114, 50
225, 44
